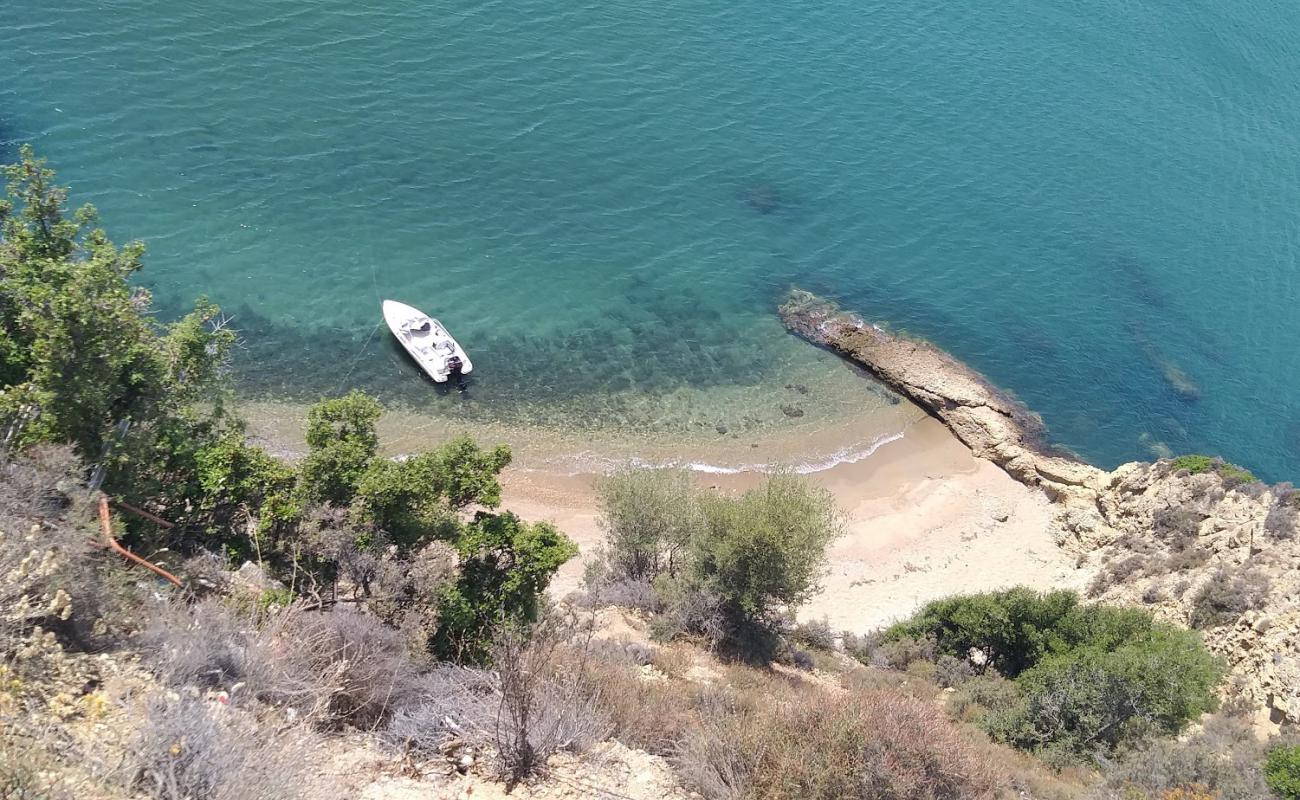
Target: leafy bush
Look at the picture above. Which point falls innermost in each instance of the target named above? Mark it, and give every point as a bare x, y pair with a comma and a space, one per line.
767, 547
341, 441
80, 355
1227, 595
506, 565
721, 566
1091, 699
1282, 771
1087, 678
415, 500
649, 518
1012, 630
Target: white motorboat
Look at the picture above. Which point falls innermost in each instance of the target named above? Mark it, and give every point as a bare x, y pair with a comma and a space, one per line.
426, 340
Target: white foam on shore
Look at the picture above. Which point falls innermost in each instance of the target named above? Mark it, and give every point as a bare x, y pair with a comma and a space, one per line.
591, 463
850, 455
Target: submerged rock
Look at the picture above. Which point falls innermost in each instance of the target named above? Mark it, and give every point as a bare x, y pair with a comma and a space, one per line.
763, 198
1174, 375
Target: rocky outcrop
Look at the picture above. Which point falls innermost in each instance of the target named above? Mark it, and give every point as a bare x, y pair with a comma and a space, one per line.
1216, 549
992, 423
1219, 553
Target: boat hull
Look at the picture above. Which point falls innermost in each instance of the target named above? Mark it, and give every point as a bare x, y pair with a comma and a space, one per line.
426, 340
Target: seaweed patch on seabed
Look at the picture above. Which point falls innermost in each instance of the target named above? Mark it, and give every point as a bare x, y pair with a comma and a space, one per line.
1139, 282
763, 198
578, 377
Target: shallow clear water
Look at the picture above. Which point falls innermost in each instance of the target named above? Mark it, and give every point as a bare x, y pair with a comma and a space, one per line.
605, 201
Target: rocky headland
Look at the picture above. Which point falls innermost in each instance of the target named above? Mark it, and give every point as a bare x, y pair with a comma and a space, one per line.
1196, 540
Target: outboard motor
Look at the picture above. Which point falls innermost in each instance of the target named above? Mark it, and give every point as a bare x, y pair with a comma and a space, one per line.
454, 367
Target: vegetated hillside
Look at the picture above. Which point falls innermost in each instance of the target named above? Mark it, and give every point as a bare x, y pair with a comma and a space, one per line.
1204, 544
1199, 541
353, 626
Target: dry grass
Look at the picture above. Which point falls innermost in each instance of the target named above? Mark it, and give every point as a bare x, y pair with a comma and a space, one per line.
812, 744
188, 748
673, 660
341, 668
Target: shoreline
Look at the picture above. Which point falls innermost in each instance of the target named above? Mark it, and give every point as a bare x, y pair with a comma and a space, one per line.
926, 516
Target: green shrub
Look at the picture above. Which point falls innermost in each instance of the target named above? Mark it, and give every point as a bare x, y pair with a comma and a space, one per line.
506, 565
415, 500
82, 360
722, 566
766, 548
1094, 698
649, 518
1196, 464
1088, 678
1282, 771
341, 442
1013, 629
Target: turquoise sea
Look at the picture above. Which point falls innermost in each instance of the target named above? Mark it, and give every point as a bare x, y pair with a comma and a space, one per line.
1098, 204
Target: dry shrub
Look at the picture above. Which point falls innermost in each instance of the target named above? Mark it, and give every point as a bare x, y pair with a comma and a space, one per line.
1221, 760
816, 633
405, 591
812, 744
29, 768
338, 668
190, 749
673, 660
206, 644
902, 652
915, 753
634, 593
47, 568
650, 715
1282, 515
1227, 595
548, 701
452, 704
332, 668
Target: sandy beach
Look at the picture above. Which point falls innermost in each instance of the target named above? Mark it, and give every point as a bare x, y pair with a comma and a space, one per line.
925, 518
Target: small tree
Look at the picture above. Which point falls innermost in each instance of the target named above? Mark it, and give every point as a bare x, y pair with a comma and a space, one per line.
415, 500
649, 518
766, 548
342, 441
506, 565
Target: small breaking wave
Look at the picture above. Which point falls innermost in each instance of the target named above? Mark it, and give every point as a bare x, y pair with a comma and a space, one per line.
850, 455
590, 463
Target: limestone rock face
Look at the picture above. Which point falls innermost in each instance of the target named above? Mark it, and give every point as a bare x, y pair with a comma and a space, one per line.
1205, 549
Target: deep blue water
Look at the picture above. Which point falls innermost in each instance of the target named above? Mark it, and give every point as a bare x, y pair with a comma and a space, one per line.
605, 200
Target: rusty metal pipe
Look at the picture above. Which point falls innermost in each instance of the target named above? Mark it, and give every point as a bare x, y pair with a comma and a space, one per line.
106, 524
